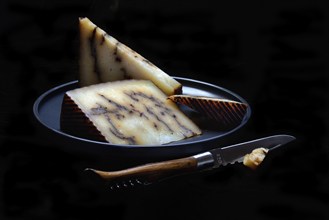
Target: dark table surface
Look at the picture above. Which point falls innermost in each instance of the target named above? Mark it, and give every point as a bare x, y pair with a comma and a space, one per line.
274, 55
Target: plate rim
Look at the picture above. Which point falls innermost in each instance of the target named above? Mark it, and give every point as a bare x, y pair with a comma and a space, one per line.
40, 99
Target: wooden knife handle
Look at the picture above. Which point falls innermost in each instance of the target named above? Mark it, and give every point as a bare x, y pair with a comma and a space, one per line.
151, 172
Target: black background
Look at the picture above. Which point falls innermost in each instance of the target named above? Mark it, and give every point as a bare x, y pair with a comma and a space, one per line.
274, 55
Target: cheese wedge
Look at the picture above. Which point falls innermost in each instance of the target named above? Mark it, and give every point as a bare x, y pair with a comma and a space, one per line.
128, 112
227, 113
103, 58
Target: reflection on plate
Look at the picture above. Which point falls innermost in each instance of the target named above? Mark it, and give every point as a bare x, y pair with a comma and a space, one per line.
47, 109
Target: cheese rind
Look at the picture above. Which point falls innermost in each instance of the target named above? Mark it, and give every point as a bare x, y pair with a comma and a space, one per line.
227, 113
133, 112
103, 58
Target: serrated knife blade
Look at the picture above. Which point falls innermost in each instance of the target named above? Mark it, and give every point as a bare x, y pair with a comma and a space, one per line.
235, 153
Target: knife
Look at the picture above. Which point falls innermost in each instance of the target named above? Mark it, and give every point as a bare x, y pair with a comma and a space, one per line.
153, 172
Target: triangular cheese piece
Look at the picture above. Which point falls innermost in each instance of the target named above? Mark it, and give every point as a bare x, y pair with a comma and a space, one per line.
227, 113
103, 58
129, 112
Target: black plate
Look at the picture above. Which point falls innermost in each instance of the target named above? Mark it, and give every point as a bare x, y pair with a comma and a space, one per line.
47, 109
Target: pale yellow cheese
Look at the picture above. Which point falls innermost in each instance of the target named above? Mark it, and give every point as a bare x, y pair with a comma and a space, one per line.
255, 158
103, 58
133, 112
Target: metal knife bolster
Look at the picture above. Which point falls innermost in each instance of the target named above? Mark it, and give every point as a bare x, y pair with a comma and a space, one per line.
205, 160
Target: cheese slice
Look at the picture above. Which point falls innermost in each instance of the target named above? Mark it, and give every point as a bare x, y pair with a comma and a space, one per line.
103, 58
227, 113
129, 112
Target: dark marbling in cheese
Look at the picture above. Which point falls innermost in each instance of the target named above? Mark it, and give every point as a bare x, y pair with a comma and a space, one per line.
129, 112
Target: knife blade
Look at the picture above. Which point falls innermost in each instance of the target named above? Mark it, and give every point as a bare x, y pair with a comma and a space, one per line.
211, 159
